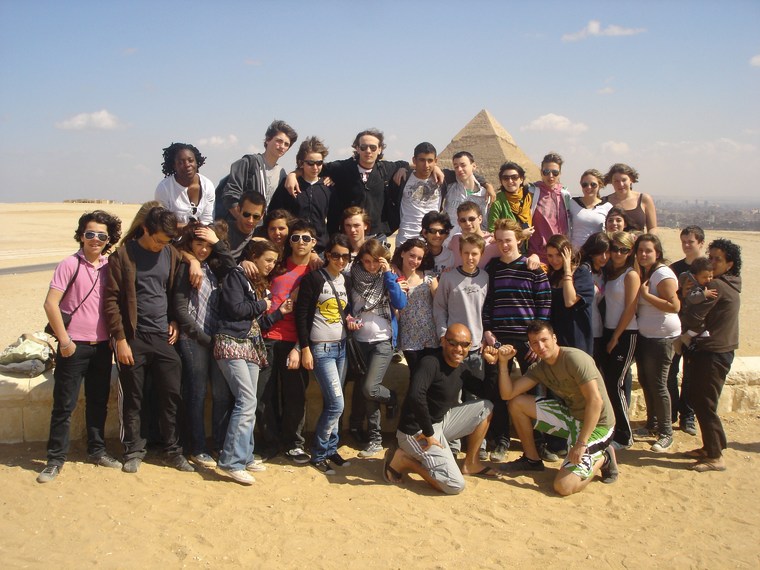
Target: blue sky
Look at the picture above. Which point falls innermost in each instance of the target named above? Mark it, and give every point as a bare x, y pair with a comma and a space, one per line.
90, 92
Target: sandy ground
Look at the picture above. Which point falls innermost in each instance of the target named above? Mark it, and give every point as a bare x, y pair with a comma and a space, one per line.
659, 514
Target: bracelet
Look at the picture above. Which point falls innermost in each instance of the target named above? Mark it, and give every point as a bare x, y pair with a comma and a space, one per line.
583, 443
567, 278
65, 346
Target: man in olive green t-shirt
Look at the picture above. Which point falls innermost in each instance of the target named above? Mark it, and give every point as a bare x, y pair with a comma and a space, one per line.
582, 413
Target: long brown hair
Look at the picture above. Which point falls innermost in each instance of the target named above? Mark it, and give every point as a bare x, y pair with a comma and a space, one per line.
561, 243
254, 250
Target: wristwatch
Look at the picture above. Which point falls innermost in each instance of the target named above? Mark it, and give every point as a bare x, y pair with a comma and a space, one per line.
497, 344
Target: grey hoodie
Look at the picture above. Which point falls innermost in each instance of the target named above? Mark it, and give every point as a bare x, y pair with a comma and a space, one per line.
722, 318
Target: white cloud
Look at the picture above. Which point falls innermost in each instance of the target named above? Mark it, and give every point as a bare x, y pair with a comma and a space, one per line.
755, 61
253, 149
98, 121
219, 141
557, 123
606, 91
594, 28
615, 147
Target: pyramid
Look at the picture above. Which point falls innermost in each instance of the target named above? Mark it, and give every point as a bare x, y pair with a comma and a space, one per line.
491, 145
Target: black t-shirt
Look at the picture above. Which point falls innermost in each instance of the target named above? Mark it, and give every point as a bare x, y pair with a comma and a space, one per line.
433, 391
237, 240
151, 280
679, 267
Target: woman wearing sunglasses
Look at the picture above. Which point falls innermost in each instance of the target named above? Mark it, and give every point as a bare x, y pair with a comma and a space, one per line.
376, 295
320, 314
185, 191
286, 371
313, 199
621, 293
639, 207
550, 206
588, 211
77, 289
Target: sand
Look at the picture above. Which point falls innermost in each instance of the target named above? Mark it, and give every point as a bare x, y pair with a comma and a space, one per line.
659, 514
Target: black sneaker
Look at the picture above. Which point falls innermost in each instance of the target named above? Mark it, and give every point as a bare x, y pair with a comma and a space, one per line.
522, 464
609, 467
297, 455
548, 455
179, 462
339, 460
49, 473
105, 460
689, 427
323, 467
372, 448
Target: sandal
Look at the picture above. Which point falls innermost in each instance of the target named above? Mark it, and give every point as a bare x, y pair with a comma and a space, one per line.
698, 453
702, 466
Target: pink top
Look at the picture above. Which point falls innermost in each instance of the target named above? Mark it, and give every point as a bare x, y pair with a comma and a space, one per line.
88, 324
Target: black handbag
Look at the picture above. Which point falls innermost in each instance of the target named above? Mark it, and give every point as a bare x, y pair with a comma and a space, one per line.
66, 317
357, 366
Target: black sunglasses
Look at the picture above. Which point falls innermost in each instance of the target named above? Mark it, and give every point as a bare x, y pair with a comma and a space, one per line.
314, 162
372, 147
306, 238
547, 172
512, 177
339, 256
617, 249
464, 345
589, 185
247, 215
438, 232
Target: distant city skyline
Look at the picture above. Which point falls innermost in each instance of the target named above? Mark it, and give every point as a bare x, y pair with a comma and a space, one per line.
91, 92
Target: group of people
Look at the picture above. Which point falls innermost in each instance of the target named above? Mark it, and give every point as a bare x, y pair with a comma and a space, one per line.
249, 286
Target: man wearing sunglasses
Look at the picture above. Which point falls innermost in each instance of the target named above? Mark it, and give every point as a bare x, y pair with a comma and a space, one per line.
313, 200
251, 210
286, 366
431, 417
255, 172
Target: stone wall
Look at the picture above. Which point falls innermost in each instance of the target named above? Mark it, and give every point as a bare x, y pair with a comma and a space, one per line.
25, 403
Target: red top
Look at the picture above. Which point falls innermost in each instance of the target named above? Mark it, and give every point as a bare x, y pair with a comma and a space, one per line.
283, 287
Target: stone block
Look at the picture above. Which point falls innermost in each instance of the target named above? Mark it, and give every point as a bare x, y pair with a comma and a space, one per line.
12, 425
12, 390
37, 422
41, 388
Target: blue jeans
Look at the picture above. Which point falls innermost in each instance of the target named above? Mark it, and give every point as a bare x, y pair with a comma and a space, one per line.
196, 360
378, 356
242, 378
330, 372
222, 401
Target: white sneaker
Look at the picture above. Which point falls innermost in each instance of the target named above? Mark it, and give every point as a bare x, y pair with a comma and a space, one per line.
241, 476
256, 465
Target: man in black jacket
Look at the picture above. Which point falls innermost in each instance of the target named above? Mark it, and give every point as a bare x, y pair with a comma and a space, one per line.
431, 416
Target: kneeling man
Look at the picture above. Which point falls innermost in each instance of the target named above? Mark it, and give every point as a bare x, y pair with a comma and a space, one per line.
432, 416
582, 414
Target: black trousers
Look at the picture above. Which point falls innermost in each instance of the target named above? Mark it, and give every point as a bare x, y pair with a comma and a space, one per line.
152, 353
93, 363
707, 373
293, 384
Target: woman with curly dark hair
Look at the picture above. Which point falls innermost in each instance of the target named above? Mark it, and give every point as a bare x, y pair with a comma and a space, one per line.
184, 191
708, 365
76, 293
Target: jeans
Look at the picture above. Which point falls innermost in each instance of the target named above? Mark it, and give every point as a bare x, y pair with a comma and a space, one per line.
378, 356
196, 362
707, 373
93, 362
330, 372
653, 358
152, 353
221, 406
679, 403
242, 378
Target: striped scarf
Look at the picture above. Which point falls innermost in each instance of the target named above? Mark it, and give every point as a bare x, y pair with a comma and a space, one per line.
372, 289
